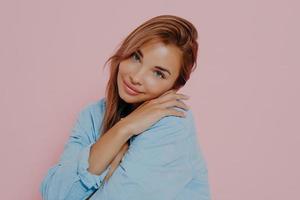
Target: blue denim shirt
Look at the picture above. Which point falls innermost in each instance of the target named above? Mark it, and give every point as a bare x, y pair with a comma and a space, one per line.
164, 162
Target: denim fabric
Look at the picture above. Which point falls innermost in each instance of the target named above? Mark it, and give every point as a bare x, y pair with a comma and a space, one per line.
164, 162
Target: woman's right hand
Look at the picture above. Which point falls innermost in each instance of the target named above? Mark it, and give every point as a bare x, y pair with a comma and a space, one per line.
149, 112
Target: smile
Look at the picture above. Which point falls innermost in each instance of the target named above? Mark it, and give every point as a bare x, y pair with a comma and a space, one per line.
129, 90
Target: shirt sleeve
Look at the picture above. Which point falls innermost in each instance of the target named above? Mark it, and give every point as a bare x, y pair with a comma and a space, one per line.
156, 165
69, 178
198, 188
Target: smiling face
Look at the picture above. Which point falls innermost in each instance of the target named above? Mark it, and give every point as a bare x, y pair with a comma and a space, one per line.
151, 70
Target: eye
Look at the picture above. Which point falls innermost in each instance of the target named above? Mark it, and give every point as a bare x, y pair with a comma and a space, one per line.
135, 56
160, 74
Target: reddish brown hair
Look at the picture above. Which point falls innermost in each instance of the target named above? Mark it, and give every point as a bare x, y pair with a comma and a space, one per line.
168, 29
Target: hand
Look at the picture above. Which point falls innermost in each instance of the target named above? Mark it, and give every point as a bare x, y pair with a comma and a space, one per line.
153, 110
116, 161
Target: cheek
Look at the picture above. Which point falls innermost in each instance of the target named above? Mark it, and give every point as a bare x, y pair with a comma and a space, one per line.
121, 69
156, 87
125, 67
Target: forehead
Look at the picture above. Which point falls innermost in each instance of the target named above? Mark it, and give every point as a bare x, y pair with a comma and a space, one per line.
157, 53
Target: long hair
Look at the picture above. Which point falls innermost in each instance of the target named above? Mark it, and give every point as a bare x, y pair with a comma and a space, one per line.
168, 29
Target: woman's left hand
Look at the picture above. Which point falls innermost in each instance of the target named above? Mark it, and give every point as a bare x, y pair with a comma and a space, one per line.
116, 161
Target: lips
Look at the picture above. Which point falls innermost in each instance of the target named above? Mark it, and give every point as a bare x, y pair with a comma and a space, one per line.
131, 88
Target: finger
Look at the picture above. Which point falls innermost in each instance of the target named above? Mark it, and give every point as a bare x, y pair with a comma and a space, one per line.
111, 170
107, 176
177, 103
172, 96
168, 92
120, 154
174, 112
115, 162
160, 97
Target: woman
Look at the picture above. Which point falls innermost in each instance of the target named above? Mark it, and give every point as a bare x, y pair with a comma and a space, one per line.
139, 142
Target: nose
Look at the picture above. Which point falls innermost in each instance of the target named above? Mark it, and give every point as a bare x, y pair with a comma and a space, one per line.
137, 77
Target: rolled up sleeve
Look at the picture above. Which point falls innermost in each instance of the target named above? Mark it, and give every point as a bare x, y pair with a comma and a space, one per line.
89, 180
70, 178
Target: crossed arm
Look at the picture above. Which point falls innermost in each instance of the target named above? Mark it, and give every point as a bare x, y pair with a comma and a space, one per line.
156, 166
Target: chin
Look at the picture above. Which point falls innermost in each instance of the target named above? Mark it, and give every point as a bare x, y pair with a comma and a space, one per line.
127, 97
128, 100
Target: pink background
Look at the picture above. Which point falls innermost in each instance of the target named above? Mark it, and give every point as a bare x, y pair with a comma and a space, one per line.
245, 91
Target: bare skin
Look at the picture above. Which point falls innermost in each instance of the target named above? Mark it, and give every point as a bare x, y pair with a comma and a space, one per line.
147, 114
155, 100
143, 72
135, 123
116, 161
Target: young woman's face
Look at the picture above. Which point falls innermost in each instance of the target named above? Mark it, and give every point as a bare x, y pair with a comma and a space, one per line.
150, 71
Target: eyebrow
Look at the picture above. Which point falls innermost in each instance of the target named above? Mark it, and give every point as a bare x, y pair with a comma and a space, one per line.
159, 67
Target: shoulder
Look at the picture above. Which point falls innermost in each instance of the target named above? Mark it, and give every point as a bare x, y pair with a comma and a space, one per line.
169, 128
172, 121
90, 117
94, 108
